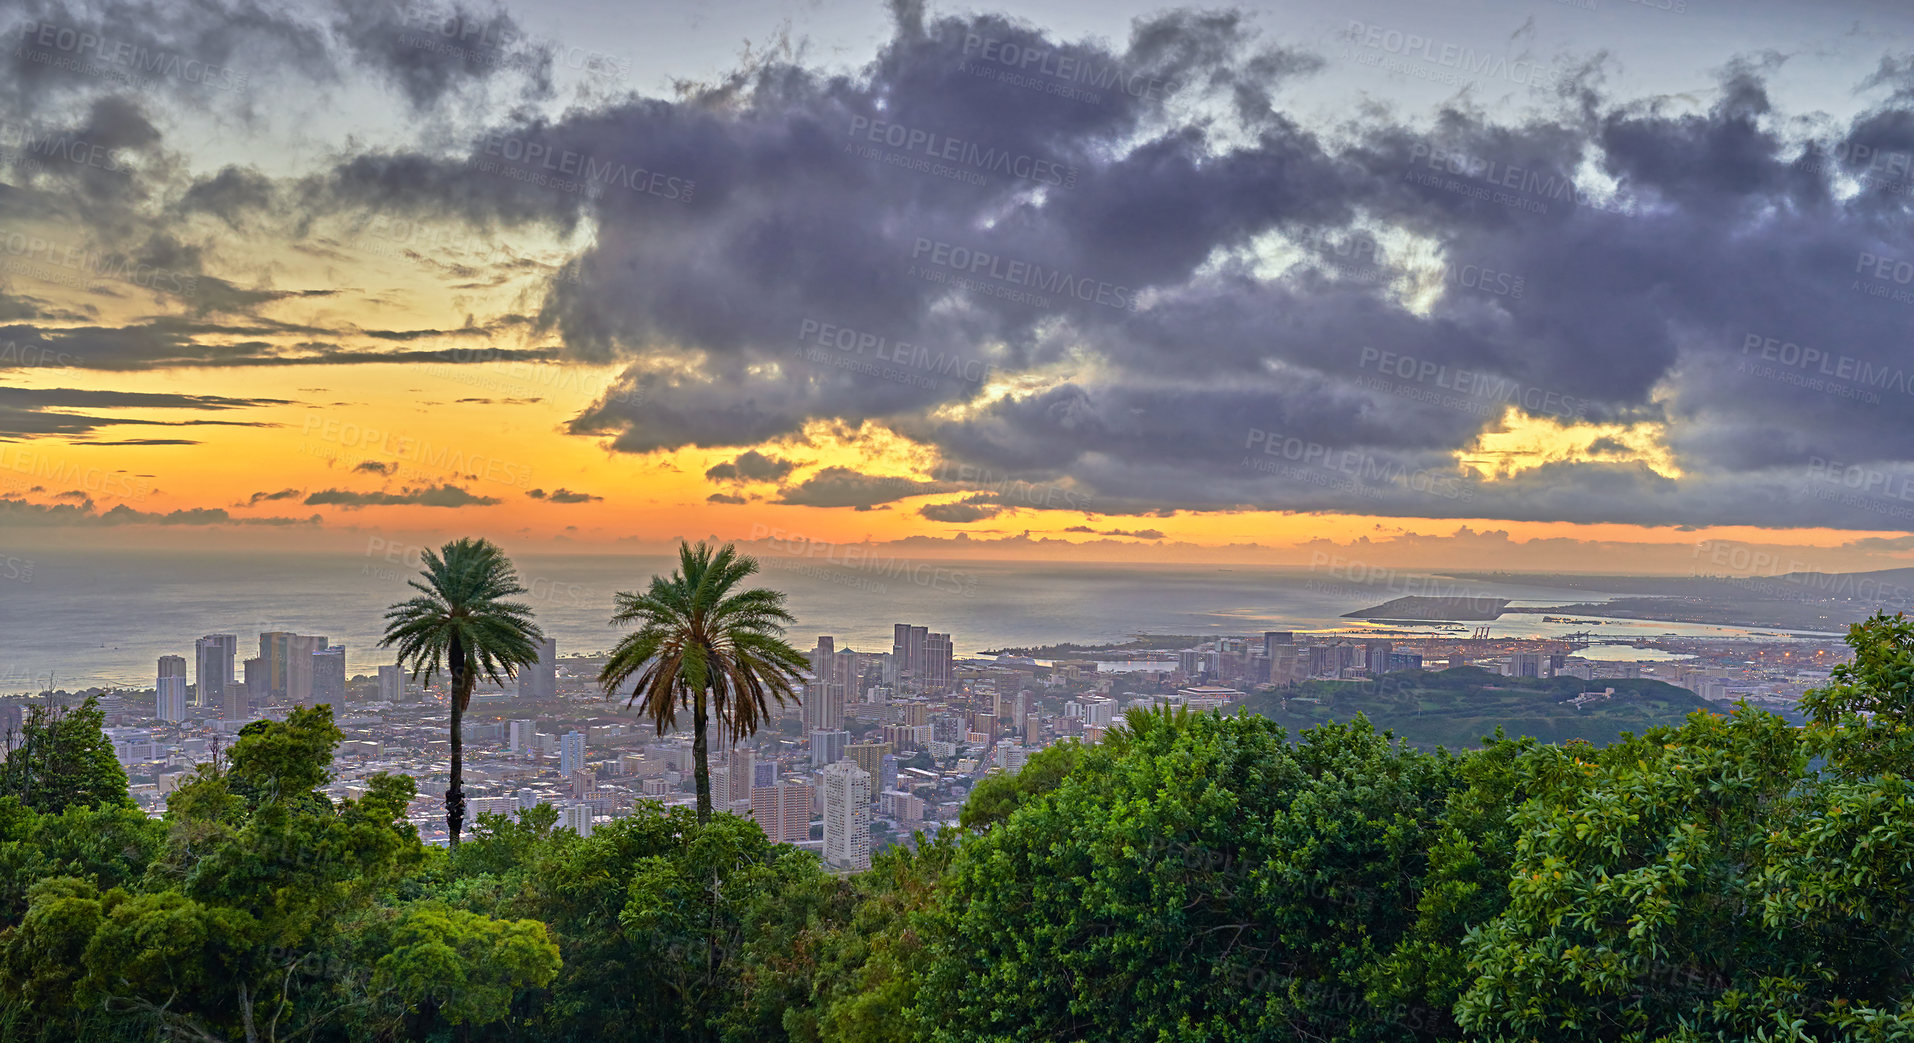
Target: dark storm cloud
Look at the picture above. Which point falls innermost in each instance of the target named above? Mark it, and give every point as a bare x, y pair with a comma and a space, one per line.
429, 496
182, 342
968, 509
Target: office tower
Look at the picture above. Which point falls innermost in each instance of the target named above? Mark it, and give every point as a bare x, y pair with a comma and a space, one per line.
783, 812
237, 704
1188, 662
540, 680
823, 706
524, 736
329, 676
1529, 664
170, 691
391, 684
1272, 639
1098, 712
824, 658
764, 773
213, 667
827, 746
577, 818
584, 783
938, 662
273, 649
259, 680
571, 753
867, 755
844, 669
886, 772
1375, 657
300, 651
527, 799
847, 816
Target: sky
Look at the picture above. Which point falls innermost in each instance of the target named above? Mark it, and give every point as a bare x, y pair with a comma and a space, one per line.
1591, 285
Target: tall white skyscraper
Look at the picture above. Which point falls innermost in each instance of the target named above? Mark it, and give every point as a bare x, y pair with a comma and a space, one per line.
170, 691
847, 816
540, 680
827, 746
523, 737
391, 684
571, 753
213, 667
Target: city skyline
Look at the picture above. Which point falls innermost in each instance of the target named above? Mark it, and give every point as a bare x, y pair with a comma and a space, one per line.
1553, 284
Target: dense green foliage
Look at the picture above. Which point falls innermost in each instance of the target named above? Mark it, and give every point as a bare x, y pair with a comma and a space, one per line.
1191, 878
61, 759
1457, 708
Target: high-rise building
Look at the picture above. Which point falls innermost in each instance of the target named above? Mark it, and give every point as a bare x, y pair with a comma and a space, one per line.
783, 812
523, 737
740, 772
238, 701
1529, 664
300, 651
170, 691
571, 753
939, 664
540, 680
329, 676
275, 649
847, 816
1375, 657
258, 674
577, 818
213, 667
584, 783
1273, 639
827, 746
1189, 662
392, 684
823, 706
868, 756
527, 798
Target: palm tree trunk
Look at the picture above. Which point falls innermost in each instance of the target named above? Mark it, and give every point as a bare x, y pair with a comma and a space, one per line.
698, 762
455, 790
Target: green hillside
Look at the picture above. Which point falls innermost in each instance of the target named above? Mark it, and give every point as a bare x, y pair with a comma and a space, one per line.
1456, 708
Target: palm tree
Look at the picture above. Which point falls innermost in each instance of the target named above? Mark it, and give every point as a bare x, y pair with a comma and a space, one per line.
704, 645
461, 624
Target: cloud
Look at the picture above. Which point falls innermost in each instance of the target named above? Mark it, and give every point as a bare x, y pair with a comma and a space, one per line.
751, 466
283, 494
18, 512
375, 467
843, 487
724, 498
563, 496
1140, 534
428, 496
968, 509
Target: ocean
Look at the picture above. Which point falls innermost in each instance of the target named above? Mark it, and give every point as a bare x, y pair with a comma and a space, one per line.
105, 617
